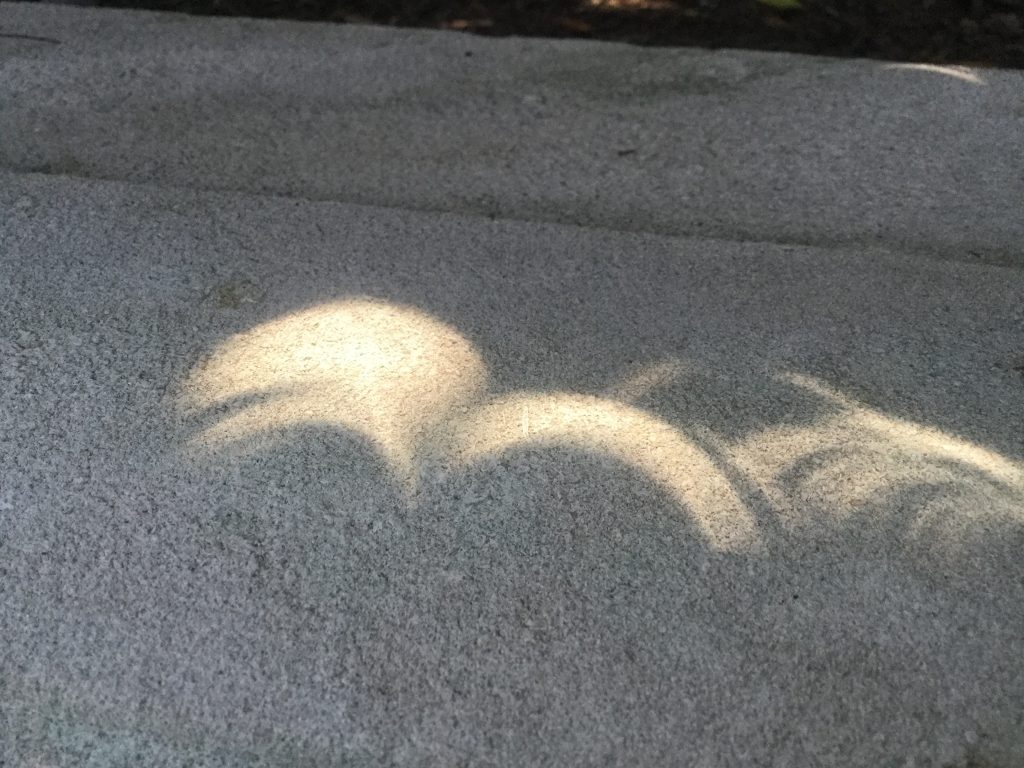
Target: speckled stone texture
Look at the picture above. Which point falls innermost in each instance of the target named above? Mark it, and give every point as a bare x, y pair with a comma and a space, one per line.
507, 467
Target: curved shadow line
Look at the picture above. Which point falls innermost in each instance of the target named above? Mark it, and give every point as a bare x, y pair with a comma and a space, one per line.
915, 438
628, 434
388, 372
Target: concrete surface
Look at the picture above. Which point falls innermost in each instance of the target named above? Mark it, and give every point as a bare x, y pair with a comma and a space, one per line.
729, 144
287, 481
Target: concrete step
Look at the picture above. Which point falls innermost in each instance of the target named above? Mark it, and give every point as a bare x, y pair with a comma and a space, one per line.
729, 144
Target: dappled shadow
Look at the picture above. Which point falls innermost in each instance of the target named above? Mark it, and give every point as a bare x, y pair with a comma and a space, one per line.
417, 390
663, 454
541, 585
568, 584
341, 541
389, 372
842, 466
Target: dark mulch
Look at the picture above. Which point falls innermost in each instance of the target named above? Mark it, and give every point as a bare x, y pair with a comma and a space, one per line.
985, 32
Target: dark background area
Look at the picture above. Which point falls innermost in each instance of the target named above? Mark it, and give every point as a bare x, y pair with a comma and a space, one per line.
981, 32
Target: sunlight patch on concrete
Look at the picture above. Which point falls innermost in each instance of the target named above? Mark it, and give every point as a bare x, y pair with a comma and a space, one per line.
628, 434
387, 372
858, 461
915, 439
417, 389
965, 74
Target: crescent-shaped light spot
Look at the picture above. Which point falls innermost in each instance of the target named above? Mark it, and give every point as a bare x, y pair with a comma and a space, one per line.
630, 435
966, 74
842, 465
388, 372
913, 439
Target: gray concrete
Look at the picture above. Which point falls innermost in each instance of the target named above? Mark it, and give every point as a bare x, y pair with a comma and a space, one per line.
287, 481
285, 598
728, 144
